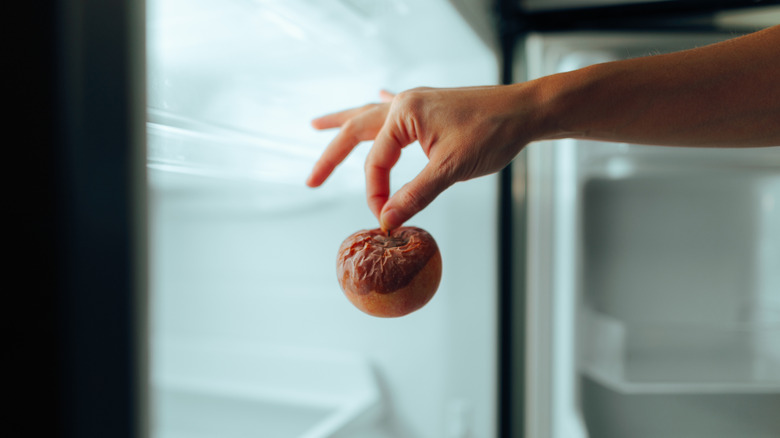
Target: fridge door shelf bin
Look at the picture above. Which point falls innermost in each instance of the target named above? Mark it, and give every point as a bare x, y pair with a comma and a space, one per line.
681, 358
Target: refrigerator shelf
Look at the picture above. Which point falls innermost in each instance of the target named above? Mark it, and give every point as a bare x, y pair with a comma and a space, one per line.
623, 386
620, 160
231, 389
681, 358
182, 145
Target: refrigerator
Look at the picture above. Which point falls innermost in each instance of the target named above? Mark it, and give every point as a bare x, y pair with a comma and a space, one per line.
648, 274
588, 290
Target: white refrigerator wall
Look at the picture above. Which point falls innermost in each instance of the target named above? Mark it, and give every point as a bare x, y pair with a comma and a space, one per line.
653, 295
243, 286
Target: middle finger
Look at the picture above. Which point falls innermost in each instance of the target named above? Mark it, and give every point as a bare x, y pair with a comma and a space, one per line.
363, 125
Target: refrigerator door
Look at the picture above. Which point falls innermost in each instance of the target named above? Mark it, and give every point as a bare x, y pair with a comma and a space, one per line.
251, 334
653, 295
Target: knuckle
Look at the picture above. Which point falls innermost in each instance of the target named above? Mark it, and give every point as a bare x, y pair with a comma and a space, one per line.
350, 129
376, 200
348, 126
410, 99
449, 169
413, 200
372, 168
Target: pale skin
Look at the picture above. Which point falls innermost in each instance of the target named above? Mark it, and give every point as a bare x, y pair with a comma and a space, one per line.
722, 95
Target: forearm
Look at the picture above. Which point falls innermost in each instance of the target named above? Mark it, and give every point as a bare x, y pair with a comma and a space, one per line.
726, 94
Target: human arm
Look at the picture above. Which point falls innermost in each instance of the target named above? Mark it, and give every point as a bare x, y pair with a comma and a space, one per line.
721, 95
727, 94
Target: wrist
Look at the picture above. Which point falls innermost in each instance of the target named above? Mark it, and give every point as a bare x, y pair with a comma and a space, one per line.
544, 107
563, 103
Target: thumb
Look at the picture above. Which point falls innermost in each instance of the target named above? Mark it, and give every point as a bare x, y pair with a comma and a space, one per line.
413, 197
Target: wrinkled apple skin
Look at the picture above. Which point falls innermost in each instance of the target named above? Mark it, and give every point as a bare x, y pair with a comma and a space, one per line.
389, 274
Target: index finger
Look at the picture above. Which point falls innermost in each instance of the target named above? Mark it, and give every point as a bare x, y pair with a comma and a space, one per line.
383, 156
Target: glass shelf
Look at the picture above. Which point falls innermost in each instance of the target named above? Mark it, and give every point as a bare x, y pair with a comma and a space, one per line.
230, 388
621, 160
681, 358
222, 169
182, 145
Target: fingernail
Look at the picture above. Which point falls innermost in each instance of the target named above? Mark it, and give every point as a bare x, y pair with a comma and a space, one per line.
391, 219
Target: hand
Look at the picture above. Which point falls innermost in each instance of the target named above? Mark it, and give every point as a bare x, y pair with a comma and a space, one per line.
464, 132
724, 94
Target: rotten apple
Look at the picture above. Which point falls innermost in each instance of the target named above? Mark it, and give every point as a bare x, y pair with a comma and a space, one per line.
389, 273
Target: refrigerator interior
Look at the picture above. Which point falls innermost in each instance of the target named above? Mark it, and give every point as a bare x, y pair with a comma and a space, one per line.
250, 332
658, 269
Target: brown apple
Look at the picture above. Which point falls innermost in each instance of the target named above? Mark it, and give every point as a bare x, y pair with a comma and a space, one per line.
389, 273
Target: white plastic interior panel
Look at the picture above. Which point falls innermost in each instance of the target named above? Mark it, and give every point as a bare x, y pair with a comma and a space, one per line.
251, 332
